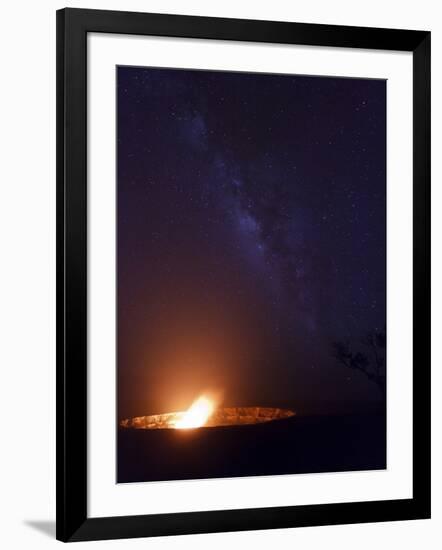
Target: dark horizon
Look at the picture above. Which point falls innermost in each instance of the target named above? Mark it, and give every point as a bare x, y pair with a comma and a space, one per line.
251, 236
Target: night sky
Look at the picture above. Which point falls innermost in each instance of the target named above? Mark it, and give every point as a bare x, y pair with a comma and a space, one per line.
251, 235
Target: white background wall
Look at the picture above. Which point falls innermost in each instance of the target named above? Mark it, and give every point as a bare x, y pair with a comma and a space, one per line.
27, 270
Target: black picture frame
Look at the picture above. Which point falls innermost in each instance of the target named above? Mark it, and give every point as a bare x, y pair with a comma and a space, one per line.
73, 25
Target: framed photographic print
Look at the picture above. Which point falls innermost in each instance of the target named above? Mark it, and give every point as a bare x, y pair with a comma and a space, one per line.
243, 274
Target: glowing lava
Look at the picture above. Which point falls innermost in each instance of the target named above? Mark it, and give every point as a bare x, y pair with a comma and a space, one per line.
197, 415
205, 413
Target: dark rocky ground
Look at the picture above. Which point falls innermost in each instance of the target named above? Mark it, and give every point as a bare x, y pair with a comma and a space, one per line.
301, 444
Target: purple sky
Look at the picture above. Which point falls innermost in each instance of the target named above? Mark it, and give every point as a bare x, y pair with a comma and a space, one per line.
251, 235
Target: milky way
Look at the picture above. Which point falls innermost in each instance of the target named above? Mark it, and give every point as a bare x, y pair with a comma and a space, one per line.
252, 208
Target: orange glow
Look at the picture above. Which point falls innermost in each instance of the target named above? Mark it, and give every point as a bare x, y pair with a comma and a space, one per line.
197, 415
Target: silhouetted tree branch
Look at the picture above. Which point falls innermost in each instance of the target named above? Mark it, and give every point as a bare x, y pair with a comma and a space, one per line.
371, 361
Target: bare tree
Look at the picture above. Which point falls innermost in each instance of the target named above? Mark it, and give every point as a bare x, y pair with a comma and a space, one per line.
370, 361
